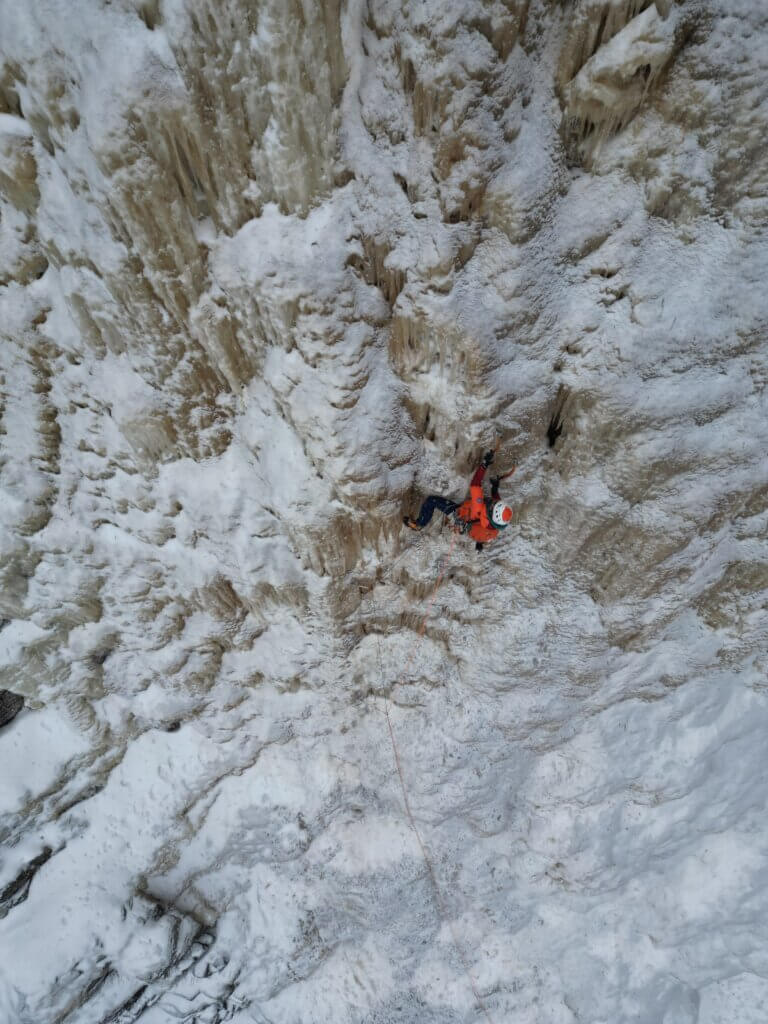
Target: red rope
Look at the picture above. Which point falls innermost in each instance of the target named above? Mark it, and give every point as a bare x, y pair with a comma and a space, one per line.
409, 813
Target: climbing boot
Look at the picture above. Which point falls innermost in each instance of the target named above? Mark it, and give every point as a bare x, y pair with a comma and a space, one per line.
412, 523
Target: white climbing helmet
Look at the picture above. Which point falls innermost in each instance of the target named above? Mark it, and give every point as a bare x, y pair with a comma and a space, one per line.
501, 514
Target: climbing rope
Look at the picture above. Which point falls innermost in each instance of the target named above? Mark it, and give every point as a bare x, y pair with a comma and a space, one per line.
442, 911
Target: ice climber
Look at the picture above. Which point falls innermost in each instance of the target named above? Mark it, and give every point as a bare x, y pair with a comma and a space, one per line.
480, 517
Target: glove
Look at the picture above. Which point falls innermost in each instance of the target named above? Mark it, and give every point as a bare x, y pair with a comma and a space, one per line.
488, 458
478, 546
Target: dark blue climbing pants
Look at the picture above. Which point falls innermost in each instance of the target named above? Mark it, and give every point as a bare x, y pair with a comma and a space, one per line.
435, 501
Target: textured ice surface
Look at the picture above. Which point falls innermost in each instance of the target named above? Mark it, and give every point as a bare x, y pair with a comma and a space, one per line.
268, 274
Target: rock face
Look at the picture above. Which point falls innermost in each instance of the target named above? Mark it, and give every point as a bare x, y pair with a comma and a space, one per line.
10, 705
269, 273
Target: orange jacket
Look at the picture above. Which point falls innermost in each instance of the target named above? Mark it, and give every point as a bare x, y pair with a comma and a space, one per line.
474, 510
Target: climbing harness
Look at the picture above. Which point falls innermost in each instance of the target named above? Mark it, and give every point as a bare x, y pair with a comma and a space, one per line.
461, 526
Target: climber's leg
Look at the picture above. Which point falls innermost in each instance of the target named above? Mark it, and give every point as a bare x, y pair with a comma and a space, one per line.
435, 501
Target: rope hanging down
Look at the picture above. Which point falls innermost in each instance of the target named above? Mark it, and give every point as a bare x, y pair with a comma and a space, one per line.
444, 916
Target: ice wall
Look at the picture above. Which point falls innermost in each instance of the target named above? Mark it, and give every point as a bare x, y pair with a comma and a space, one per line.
270, 272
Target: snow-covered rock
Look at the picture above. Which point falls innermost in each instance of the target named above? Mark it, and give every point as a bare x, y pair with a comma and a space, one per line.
270, 273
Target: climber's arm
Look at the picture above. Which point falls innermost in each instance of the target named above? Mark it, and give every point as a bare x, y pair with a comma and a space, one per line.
496, 480
477, 479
